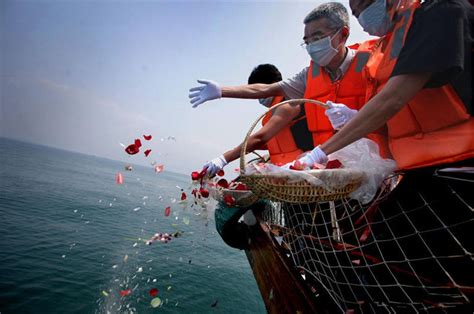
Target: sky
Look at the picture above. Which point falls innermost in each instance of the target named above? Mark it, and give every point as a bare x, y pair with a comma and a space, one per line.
86, 76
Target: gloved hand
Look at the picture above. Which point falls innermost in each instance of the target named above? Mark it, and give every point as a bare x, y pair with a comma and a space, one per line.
215, 165
339, 114
315, 156
200, 94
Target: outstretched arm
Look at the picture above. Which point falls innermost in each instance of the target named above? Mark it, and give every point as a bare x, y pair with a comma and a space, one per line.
210, 90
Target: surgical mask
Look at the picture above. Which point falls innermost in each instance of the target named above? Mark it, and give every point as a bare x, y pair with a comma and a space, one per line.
321, 51
267, 102
375, 19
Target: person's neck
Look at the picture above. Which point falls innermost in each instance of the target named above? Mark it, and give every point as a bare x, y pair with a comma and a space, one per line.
338, 59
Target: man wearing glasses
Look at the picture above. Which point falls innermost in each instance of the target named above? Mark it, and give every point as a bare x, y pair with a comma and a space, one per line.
333, 76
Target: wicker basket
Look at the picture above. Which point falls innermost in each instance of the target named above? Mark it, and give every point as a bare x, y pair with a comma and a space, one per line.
280, 188
242, 198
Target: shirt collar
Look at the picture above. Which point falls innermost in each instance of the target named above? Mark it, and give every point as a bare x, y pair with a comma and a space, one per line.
343, 67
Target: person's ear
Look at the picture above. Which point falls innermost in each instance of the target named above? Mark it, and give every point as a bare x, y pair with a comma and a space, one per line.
345, 32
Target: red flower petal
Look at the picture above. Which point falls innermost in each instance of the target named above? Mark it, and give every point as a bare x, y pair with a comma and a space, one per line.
138, 143
132, 149
193, 192
147, 152
223, 183
153, 292
204, 192
195, 175
124, 293
333, 164
241, 187
159, 168
167, 211
220, 173
183, 196
147, 137
119, 178
229, 200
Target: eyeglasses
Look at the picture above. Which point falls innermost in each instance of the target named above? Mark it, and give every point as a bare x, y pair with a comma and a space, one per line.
313, 37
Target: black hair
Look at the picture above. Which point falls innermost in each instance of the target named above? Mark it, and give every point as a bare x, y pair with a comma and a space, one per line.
265, 74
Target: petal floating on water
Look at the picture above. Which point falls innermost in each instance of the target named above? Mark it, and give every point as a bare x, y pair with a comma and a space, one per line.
153, 292
167, 211
156, 302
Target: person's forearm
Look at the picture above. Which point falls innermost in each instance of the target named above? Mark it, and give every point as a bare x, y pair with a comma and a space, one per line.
397, 93
253, 143
252, 91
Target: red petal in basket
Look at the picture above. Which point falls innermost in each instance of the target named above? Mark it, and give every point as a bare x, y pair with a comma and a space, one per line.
334, 164
167, 211
147, 152
220, 173
204, 192
124, 293
229, 200
153, 292
223, 183
297, 165
147, 137
241, 187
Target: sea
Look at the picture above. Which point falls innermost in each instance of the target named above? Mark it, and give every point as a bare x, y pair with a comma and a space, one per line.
74, 241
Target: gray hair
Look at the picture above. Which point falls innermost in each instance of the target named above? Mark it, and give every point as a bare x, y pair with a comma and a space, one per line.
334, 12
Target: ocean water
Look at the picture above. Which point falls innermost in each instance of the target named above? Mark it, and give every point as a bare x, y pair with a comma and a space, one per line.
72, 240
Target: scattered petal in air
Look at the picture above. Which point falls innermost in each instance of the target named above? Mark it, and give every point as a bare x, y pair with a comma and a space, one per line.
147, 152
119, 178
204, 192
147, 137
156, 302
138, 143
132, 149
124, 293
105, 293
159, 168
153, 292
183, 196
167, 211
186, 220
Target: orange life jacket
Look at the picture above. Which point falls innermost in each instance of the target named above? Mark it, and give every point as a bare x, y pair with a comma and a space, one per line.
434, 127
349, 90
286, 145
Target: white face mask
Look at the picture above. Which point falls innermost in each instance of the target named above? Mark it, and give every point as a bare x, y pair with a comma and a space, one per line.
321, 51
267, 102
375, 20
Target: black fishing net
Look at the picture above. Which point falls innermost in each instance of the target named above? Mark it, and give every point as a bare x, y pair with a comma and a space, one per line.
409, 250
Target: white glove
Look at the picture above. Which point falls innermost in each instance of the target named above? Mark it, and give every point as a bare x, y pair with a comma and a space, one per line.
315, 156
339, 114
200, 94
215, 165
